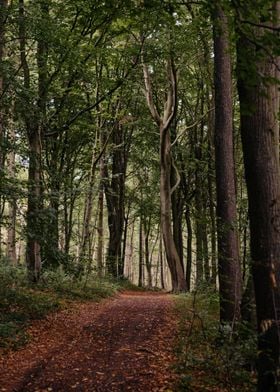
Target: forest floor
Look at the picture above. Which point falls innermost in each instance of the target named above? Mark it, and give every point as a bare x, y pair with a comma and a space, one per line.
124, 343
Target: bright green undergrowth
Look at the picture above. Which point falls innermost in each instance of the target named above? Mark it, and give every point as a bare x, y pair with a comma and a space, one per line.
211, 357
21, 302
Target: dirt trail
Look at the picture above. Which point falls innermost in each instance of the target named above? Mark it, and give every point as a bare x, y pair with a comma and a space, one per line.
121, 344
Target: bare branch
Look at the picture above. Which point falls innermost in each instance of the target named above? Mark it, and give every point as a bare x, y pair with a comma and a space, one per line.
177, 175
181, 134
263, 26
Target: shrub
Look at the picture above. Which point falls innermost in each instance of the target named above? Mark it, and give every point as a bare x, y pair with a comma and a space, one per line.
208, 355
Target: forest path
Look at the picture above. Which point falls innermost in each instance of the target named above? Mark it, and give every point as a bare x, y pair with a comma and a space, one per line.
121, 344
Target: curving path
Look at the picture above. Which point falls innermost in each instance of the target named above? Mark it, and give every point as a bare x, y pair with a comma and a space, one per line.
121, 344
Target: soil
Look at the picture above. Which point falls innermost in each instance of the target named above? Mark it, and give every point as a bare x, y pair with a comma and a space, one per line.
121, 344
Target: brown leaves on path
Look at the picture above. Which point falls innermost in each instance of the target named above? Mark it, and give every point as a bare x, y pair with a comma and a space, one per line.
121, 344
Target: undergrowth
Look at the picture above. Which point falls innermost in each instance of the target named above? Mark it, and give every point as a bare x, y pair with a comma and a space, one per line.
21, 302
211, 357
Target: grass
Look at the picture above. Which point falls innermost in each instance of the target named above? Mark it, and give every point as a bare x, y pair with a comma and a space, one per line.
20, 302
211, 358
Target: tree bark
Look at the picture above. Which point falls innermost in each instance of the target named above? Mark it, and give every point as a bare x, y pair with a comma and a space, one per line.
115, 193
100, 228
259, 103
189, 248
3, 9
147, 229
228, 250
164, 123
141, 255
33, 224
86, 227
173, 259
11, 231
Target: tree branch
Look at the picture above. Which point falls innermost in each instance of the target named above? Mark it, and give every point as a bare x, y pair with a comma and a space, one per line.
149, 94
171, 102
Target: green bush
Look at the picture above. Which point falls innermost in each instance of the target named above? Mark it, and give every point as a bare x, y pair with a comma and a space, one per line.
22, 302
208, 355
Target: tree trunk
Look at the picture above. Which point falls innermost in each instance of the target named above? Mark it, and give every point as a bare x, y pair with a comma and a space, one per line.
33, 247
141, 255
33, 223
228, 252
147, 229
115, 192
206, 265
164, 123
3, 8
129, 259
173, 259
100, 229
189, 248
11, 231
161, 262
177, 200
86, 227
125, 231
259, 102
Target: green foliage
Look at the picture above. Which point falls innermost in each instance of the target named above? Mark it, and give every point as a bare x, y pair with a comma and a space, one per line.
210, 355
21, 303
85, 287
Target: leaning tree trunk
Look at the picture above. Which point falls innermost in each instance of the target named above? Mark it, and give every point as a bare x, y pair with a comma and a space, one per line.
259, 102
228, 249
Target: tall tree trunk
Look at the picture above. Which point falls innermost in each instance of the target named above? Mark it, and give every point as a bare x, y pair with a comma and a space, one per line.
177, 199
115, 197
173, 259
3, 16
206, 265
161, 262
33, 228
86, 227
33, 247
189, 248
199, 229
11, 231
213, 231
100, 228
141, 255
228, 252
259, 102
129, 265
211, 189
147, 229
164, 123
125, 231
